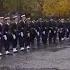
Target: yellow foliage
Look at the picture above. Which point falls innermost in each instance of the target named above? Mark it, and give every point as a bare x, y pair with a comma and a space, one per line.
39, 7
56, 7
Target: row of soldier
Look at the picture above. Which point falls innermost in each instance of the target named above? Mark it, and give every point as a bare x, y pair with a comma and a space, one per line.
25, 32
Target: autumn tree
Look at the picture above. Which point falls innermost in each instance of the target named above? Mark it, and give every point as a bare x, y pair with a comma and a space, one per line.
1, 6
56, 8
38, 8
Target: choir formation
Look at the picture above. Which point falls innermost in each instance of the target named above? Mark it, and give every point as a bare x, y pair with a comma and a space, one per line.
25, 32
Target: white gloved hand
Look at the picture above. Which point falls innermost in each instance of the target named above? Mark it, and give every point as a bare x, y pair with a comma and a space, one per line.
14, 37
49, 31
5, 37
38, 33
28, 34
54, 31
44, 32
22, 34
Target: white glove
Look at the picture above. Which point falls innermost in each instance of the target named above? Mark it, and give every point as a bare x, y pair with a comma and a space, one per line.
14, 37
54, 31
38, 33
28, 34
49, 31
22, 34
5, 37
44, 32
0, 38
67, 30
19, 33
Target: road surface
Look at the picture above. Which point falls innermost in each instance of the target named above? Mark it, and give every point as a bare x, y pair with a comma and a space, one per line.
50, 58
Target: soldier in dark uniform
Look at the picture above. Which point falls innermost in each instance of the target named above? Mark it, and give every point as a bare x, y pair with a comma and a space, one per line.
38, 31
54, 35
67, 29
50, 35
44, 39
6, 34
21, 29
50, 30
63, 28
67, 33
1, 42
60, 34
44, 30
32, 33
63, 33
27, 33
14, 33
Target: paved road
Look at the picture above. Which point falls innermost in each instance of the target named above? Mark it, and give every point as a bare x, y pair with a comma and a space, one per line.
51, 58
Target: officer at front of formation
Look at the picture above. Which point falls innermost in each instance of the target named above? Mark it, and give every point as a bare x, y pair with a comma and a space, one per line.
14, 34
6, 34
1, 26
21, 30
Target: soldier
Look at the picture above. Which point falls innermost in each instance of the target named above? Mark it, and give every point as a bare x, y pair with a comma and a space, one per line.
54, 35
14, 33
63, 33
50, 30
44, 40
44, 30
67, 33
63, 29
32, 33
1, 26
67, 29
38, 31
21, 29
6, 35
50, 35
60, 34
27, 33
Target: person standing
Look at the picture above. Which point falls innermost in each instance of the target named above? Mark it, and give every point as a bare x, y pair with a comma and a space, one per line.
6, 42
1, 42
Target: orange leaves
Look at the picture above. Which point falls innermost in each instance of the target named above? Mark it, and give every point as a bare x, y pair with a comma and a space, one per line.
56, 7
40, 7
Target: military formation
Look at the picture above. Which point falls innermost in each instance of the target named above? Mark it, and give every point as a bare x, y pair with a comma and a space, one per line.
24, 32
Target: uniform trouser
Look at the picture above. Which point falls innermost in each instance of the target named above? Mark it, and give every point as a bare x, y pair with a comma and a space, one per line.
50, 39
27, 42
38, 41
44, 39
32, 42
63, 34
54, 39
6, 45
67, 34
14, 43
0, 45
21, 42
60, 38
